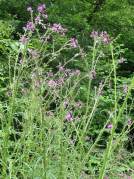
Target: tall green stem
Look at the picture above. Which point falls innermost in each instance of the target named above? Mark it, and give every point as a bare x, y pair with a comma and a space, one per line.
109, 146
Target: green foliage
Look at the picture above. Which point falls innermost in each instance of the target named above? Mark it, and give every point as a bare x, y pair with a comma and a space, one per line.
116, 17
37, 141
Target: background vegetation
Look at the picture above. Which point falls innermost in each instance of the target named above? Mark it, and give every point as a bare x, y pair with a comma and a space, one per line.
22, 102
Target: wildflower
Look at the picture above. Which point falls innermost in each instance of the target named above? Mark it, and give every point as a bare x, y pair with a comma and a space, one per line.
23, 39
94, 34
61, 68
52, 83
109, 126
29, 9
73, 42
45, 16
58, 28
41, 8
129, 177
77, 72
60, 81
67, 72
37, 20
121, 60
69, 116
105, 37
30, 26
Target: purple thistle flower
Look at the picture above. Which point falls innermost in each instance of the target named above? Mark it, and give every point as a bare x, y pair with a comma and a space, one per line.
29, 9
73, 42
94, 34
41, 8
23, 39
105, 37
37, 20
61, 68
60, 81
77, 72
109, 126
67, 72
58, 28
52, 83
69, 116
30, 26
45, 16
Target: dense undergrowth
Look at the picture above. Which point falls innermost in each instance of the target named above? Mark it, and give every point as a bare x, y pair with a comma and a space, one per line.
64, 112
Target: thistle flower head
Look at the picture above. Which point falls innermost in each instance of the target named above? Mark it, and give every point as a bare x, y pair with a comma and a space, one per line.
58, 28
105, 37
52, 83
41, 8
37, 20
73, 42
109, 126
30, 26
23, 39
94, 34
29, 9
69, 116
61, 68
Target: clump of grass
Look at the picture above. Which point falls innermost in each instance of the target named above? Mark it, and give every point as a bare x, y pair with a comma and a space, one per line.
45, 129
